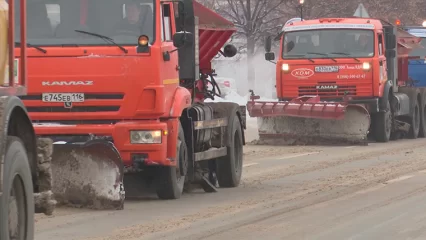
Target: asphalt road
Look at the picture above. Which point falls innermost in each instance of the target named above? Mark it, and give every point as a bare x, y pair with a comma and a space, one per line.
356, 192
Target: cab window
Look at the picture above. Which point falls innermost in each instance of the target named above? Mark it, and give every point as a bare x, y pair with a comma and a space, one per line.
77, 22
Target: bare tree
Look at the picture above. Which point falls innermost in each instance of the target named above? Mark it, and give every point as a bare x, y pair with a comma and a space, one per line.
209, 3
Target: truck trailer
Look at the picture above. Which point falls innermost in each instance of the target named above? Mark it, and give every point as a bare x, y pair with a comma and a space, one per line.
342, 80
127, 108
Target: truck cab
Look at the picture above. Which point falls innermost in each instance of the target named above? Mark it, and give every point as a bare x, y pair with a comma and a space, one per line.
331, 58
94, 63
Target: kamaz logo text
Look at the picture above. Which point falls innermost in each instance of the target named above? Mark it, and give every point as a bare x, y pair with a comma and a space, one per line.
67, 83
324, 87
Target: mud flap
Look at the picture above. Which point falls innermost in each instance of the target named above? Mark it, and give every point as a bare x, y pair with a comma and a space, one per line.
283, 130
88, 175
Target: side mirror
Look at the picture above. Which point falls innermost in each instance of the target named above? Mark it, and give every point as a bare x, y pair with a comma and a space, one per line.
230, 50
390, 53
181, 9
182, 38
268, 44
270, 56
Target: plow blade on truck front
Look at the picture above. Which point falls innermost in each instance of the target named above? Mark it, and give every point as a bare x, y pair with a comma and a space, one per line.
88, 175
310, 121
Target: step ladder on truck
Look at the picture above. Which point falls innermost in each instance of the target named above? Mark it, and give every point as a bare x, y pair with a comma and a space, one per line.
25, 174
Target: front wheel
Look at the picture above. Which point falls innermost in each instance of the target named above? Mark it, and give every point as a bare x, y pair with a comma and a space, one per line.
230, 167
171, 180
17, 201
383, 124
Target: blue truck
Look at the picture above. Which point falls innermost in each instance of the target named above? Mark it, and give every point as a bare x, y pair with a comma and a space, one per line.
417, 58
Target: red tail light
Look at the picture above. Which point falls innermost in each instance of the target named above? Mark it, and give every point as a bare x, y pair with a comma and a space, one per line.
227, 83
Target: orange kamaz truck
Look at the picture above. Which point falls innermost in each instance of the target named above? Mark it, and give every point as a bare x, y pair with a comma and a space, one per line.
341, 80
130, 76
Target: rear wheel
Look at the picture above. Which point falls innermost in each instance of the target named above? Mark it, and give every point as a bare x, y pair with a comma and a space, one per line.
17, 201
229, 168
383, 124
422, 132
415, 122
171, 180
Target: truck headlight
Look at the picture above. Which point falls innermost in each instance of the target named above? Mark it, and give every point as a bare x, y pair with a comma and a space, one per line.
145, 137
366, 66
285, 67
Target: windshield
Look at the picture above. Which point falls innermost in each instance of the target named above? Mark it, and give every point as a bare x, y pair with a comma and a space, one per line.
420, 51
326, 43
53, 22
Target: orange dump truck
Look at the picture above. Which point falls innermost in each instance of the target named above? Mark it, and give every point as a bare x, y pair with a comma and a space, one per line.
120, 103
25, 176
342, 80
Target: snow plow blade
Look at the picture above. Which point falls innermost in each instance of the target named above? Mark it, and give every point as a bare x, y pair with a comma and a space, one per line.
309, 121
88, 175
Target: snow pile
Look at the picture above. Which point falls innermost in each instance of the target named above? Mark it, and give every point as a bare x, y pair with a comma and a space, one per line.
232, 96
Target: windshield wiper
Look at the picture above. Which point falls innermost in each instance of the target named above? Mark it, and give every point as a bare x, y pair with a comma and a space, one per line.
105, 38
33, 46
299, 55
322, 54
345, 54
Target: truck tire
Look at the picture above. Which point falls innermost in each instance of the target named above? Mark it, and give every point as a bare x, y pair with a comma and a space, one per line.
422, 132
17, 194
415, 122
230, 167
170, 181
383, 124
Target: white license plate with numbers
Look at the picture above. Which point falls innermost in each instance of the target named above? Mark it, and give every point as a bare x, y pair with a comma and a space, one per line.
63, 97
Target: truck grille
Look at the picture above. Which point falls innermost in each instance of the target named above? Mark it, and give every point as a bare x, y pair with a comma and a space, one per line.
87, 108
37, 97
340, 91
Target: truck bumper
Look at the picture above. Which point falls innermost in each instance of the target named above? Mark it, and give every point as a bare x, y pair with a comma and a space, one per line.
371, 104
148, 154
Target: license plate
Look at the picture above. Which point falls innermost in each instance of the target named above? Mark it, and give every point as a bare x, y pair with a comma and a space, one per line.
63, 97
327, 69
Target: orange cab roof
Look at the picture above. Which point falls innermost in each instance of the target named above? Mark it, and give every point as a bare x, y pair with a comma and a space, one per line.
404, 39
321, 23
